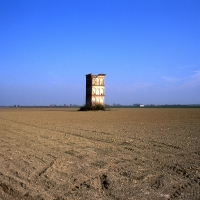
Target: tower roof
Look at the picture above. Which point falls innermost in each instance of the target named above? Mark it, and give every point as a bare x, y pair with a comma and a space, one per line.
95, 75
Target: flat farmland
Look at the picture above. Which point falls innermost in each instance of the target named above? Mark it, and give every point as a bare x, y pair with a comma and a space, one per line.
140, 153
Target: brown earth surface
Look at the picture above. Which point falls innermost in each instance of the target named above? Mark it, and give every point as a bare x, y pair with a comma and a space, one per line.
59, 154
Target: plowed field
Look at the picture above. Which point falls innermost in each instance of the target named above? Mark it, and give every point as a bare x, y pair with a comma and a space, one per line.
118, 154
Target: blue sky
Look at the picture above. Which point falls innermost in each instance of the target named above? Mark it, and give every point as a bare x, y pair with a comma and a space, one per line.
148, 49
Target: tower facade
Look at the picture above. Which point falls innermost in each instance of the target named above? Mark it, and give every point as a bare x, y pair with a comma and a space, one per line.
95, 89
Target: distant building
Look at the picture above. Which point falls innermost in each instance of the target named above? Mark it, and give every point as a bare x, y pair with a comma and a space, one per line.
95, 89
141, 105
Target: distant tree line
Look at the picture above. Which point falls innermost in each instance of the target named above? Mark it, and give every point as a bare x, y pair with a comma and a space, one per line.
114, 105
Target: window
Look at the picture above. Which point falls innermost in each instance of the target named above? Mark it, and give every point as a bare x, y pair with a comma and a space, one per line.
102, 91
97, 91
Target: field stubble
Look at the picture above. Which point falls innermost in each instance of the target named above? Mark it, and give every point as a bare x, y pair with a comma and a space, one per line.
119, 154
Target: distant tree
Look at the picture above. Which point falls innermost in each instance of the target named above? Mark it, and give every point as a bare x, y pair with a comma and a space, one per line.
92, 108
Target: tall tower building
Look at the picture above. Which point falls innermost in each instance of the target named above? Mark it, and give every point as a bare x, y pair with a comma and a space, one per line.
95, 89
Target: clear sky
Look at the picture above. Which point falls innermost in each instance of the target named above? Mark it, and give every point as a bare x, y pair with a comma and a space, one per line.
148, 49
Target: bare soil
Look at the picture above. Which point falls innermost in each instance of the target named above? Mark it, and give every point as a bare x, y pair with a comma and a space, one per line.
58, 154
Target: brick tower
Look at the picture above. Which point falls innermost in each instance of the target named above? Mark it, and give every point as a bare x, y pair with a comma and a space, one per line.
95, 89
